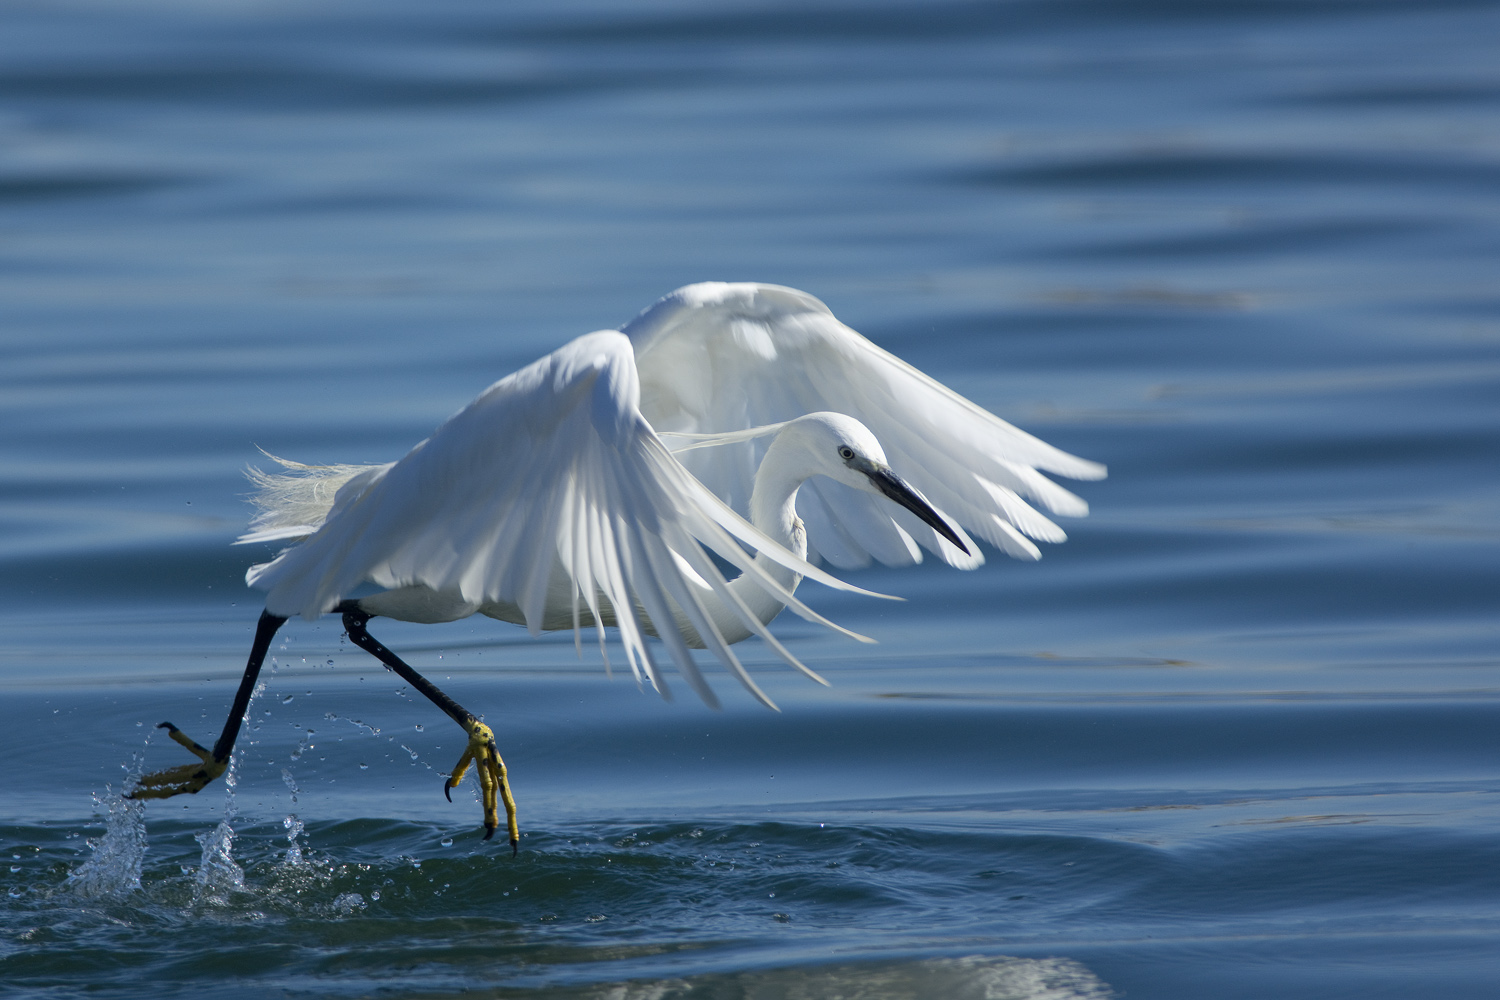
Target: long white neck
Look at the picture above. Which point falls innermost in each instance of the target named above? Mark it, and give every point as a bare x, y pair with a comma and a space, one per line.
773, 509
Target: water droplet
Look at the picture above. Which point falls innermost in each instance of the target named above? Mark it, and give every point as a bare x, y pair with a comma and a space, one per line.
421, 728
349, 903
375, 895
330, 663
447, 841
15, 868
288, 699
364, 767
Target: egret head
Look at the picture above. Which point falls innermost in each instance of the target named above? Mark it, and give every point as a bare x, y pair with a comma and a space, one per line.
842, 448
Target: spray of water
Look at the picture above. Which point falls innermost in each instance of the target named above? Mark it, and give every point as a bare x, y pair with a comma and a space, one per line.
218, 874
113, 870
294, 826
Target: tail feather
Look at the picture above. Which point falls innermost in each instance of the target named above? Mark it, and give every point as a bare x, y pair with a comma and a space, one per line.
293, 505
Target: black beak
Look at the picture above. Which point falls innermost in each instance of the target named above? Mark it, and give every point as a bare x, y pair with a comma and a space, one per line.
890, 484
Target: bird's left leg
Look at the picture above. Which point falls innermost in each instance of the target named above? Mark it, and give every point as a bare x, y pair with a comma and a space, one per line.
481, 751
192, 777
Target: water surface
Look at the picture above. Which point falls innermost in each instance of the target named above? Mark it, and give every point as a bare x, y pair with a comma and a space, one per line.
1236, 738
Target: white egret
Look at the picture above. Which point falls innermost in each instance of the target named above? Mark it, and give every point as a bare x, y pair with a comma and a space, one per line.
554, 501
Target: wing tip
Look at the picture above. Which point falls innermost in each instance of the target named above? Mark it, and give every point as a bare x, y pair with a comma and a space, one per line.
1081, 469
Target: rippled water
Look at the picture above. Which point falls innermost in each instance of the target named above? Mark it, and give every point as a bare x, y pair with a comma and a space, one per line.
1236, 738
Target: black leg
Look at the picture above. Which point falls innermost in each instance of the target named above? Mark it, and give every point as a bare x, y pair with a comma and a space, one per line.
354, 624
265, 631
192, 777
481, 750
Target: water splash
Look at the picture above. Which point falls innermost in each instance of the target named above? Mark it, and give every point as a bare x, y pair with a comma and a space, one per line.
349, 904
294, 826
113, 871
305, 743
218, 874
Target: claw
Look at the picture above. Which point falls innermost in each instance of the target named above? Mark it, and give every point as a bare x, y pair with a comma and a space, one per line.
186, 778
490, 770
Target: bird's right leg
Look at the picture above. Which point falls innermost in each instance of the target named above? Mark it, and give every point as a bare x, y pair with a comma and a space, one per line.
192, 777
481, 751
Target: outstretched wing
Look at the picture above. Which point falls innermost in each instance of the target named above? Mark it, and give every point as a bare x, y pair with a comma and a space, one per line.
717, 358
551, 472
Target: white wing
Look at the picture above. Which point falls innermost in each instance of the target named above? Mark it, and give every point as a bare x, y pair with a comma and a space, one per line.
550, 469
718, 357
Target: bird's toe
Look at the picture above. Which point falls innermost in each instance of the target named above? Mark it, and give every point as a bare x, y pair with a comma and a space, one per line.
494, 785
183, 779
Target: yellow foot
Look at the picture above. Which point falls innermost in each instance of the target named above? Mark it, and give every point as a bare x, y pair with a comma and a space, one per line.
177, 780
490, 770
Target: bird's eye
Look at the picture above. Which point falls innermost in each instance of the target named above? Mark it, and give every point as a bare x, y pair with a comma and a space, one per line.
846, 452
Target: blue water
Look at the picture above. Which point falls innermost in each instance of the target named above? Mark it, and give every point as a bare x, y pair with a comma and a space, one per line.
1236, 738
